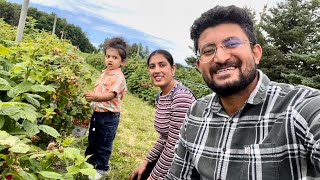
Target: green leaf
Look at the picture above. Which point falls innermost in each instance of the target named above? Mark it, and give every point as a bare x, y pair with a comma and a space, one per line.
9, 110
74, 151
2, 120
26, 175
4, 135
32, 100
67, 154
29, 114
86, 165
18, 131
4, 85
20, 88
88, 171
4, 51
19, 148
79, 159
5, 73
42, 88
31, 128
3, 147
67, 141
9, 140
51, 175
68, 177
73, 169
37, 155
36, 96
49, 130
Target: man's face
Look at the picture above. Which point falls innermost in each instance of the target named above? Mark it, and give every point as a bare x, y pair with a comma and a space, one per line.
233, 64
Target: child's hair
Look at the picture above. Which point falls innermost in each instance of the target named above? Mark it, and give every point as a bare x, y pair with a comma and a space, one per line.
165, 53
119, 44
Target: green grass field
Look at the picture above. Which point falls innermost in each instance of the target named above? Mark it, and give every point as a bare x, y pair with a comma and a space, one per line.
135, 137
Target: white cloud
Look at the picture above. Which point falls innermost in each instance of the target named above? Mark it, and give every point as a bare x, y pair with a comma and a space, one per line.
168, 21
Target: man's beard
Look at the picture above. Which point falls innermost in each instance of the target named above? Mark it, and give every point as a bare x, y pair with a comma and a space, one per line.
233, 87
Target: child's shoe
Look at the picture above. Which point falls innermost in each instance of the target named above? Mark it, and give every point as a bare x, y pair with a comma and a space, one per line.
99, 175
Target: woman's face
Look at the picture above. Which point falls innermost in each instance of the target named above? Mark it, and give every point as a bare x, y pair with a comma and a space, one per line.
160, 70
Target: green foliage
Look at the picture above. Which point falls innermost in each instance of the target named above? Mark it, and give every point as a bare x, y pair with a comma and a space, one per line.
96, 60
192, 78
11, 13
24, 161
138, 80
191, 61
135, 137
41, 83
291, 48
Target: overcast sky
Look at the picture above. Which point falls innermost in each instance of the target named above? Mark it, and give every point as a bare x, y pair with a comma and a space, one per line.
154, 23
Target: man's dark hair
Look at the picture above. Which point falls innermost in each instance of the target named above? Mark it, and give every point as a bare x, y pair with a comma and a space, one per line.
219, 15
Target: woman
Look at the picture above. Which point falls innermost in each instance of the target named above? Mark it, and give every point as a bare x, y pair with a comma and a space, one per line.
171, 107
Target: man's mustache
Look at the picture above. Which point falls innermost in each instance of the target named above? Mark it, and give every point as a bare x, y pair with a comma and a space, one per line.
229, 63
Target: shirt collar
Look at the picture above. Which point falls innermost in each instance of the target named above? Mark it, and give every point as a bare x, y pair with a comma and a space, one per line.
259, 93
111, 72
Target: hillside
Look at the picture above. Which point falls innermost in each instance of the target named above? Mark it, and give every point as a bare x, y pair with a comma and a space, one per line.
135, 137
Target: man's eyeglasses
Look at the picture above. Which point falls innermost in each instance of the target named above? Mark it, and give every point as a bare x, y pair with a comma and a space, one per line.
208, 51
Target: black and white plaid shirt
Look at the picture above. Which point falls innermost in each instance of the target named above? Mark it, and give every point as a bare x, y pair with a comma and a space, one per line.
275, 135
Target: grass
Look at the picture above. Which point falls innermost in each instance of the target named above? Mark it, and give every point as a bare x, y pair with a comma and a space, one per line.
135, 137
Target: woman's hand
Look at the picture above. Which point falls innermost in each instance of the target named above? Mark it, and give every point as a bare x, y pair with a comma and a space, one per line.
137, 173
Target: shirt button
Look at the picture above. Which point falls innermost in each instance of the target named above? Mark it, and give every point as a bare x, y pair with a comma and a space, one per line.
224, 149
230, 121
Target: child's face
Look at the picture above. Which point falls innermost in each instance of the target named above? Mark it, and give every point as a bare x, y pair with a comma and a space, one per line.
113, 59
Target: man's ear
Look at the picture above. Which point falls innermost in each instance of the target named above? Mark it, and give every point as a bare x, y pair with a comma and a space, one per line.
257, 53
197, 63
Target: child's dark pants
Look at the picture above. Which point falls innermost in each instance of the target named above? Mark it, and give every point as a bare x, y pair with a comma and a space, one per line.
102, 131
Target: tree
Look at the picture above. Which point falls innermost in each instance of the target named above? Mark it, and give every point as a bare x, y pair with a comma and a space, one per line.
10, 13
191, 60
291, 53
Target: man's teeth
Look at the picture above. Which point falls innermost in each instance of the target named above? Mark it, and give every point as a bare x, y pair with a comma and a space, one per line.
226, 69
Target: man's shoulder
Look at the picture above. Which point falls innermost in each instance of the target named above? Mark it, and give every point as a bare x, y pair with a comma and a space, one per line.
296, 89
302, 98
206, 98
201, 104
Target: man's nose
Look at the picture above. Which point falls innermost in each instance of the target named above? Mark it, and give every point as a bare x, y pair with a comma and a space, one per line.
221, 55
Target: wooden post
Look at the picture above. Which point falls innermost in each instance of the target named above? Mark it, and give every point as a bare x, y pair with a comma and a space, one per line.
61, 34
54, 24
138, 51
22, 20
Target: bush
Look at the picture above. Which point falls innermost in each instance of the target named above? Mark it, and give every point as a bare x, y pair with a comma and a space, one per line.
41, 83
96, 60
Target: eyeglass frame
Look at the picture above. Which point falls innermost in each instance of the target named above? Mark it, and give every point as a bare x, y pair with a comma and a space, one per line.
224, 47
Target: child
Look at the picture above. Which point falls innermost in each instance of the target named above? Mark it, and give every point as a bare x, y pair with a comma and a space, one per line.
106, 100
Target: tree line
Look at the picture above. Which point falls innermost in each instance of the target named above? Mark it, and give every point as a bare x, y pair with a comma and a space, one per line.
10, 12
288, 33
